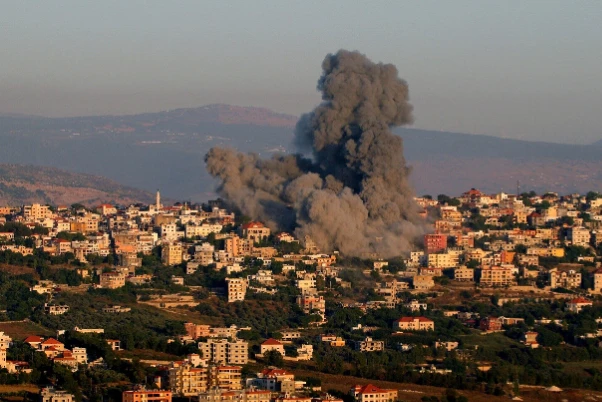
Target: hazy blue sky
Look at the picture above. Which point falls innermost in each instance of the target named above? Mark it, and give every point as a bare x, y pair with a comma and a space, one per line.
521, 69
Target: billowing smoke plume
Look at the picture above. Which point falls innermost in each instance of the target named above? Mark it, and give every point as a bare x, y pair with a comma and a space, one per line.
353, 194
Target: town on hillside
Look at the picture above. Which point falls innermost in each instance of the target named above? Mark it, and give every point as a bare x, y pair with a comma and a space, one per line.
501, 299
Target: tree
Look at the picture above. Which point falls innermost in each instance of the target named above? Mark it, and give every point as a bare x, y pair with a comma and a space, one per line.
520, 249
276, 267
592, 195
273, 358
445, 199
548, 337
396, 265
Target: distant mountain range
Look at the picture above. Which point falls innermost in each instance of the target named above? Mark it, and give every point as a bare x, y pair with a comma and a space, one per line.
24, 184
165, 151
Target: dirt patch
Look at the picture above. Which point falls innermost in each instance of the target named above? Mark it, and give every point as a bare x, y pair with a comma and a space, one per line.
19, 330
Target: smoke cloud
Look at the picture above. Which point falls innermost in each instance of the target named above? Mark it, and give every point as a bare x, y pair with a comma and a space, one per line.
353, 193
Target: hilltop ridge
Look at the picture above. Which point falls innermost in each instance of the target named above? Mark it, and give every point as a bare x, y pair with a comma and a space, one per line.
25, 184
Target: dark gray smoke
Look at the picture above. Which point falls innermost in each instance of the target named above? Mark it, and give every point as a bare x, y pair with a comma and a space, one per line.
353, 194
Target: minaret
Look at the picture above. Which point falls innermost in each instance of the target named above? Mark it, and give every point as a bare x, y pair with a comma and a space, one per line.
158, 201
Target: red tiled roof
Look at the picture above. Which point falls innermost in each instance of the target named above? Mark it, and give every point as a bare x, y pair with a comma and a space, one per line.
275, 372
579, 300
33, 339
51, 341
271, 342
371, 389
253, 225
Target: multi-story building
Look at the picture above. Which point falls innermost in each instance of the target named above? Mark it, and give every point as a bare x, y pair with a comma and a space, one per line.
5, 340
274, 380
36, 211
144, 395
80, 355
197, 330
578, 304
371, 393
255, 231
226, 377
434, 243
564, 279
186, 380
306, 285
414, 324
223, 351
309, 303
443, 260
423, 282
496, 276
218, 395
464, 274
55, 309
204, 253
237, 288
112, 280
369, 345
490, 324
171, 254
579, 236
50, 394
202, 230
235, 246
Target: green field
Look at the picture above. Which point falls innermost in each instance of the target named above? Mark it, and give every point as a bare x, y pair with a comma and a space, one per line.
495, 342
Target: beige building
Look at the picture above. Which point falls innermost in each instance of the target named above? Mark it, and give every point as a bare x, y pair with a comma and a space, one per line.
496, 276
202, 230
464, 274
36, 211
186, 380
237, 288
218, 395
563, 279
112, 280
255, 231
443, 260
414, 324
369, 345
272, 344
143, 395
49, 394
171, 254
578, 304
226, 377
579, 236
223, 351
235, 246
306, 285
55, 309
423, 282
